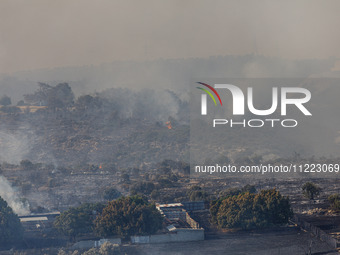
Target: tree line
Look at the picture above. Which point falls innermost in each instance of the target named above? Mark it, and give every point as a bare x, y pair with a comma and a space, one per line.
243, 208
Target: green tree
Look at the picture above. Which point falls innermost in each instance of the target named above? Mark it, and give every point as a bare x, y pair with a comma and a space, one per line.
60, 96
334, 200
5, 100
249, 210
128, 216
77, 220
275, 207
237, 212
11, 230
310, 190
215, 205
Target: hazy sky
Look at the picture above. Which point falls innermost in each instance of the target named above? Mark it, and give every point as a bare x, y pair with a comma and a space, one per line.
49, 33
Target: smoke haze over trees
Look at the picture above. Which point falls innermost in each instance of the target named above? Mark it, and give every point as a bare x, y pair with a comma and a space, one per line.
130, 104
173, 74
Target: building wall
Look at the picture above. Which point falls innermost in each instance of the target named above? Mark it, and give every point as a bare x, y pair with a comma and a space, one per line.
191, 221
94, 244
181, 235
194, 205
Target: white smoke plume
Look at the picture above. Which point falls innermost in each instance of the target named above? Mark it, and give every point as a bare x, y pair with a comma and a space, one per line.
11, 197
13, 146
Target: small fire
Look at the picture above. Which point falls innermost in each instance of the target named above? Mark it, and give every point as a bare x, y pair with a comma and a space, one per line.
100, 166
168, 124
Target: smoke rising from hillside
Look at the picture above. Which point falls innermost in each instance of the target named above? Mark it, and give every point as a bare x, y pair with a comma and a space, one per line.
11, 197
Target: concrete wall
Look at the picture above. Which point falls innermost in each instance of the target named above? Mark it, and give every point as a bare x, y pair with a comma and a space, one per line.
181, 235
140, 239
94, 244
83, 245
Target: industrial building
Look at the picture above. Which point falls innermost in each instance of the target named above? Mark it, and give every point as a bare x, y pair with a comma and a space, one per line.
180, 226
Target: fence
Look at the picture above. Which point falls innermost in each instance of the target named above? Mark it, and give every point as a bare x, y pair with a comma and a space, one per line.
322, 235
